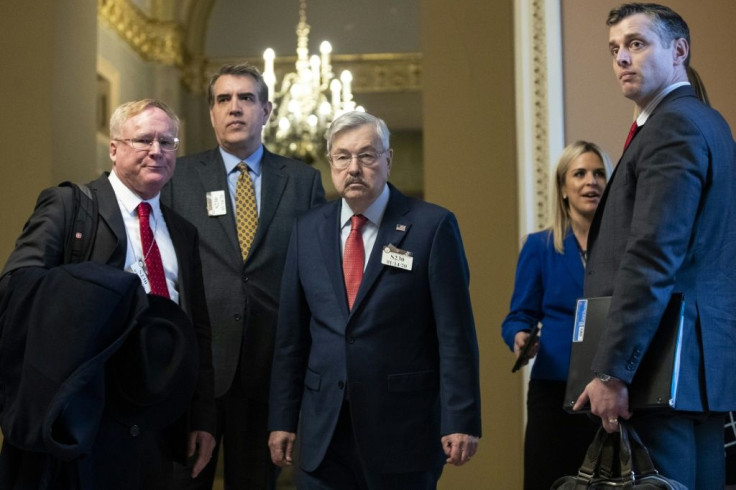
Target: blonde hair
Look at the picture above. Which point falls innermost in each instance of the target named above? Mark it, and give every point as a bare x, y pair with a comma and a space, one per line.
698, 86
133, 108
561, 219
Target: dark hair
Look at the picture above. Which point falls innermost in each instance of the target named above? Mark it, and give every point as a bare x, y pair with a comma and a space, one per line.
240, 70
668, 24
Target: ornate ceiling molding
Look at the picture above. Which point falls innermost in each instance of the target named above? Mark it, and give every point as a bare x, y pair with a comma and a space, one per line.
168, 43
372, 73
154, 40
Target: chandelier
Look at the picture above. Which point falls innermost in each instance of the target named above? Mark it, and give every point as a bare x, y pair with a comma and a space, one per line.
308, 99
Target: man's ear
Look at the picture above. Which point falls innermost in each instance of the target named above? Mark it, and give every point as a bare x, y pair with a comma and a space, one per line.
267, 109
681, 51
113, 150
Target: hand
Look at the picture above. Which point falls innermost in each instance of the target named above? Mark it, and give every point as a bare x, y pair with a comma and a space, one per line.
281, 444
609, 400
459, 448
520, 340
202, 443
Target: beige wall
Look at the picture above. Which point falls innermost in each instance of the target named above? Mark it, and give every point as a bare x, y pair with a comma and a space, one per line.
470, 167
47, 128
595, 108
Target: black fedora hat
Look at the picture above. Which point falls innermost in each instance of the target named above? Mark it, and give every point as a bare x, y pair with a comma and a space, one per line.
152, 377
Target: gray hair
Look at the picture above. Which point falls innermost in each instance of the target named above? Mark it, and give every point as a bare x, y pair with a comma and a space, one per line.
354, 120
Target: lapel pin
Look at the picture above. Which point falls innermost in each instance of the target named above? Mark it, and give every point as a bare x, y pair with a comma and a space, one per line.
400, 227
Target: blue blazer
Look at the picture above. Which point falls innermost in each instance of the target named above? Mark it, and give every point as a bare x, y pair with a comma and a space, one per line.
407, 352
546, 288
666, 223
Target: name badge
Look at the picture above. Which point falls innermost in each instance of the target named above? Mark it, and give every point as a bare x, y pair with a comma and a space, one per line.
395, 257
138, 269
216, 203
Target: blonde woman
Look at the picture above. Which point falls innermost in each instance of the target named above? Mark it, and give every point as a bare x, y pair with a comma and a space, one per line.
549, 280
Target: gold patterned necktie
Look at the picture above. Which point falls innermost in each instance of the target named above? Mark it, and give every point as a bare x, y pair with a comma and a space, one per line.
246, 211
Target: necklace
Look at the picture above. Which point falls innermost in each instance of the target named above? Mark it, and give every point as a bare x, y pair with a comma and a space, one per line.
583, 253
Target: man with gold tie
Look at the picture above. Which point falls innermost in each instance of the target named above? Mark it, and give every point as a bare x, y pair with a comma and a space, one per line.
243, 200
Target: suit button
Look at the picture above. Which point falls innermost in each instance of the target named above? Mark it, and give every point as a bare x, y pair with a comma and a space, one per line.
340, 385
351, 340
245, 278
134, 431
236, 317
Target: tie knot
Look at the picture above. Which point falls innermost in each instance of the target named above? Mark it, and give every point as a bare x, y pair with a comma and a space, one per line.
243, 167
144, 210
357, 221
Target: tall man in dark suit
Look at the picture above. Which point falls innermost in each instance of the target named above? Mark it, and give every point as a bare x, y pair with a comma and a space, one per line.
667, 223
376, 355
242, 280
136, 437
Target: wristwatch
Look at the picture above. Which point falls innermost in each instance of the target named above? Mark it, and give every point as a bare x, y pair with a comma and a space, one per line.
605, 378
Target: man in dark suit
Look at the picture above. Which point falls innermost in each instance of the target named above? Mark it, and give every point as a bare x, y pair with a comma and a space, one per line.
130, 449
376, 355
667, 223
242, 280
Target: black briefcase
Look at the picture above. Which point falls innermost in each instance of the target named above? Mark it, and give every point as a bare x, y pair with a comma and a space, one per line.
618, 460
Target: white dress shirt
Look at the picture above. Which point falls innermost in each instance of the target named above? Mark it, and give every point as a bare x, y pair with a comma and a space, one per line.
128, 202
374, 213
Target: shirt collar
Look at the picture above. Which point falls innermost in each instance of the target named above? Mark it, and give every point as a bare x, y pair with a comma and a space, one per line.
644, 115
374, 213
128, 199
253, 161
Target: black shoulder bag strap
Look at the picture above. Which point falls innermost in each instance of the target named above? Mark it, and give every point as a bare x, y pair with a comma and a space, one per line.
81, 236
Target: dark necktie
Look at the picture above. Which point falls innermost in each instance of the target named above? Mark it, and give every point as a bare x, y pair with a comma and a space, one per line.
632, 133
151, 254
246, 211
354, 258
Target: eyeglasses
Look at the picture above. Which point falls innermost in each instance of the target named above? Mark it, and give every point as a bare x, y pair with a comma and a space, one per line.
341, 161
145, 144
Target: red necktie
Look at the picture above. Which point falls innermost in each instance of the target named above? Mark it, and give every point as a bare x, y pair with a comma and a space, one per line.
632, 132
151, 254
354, 258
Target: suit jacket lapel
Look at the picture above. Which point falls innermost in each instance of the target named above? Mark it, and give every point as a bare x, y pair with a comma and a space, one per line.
273, 183
596, 223
396, 224
684, 91
111, 242
573, 261
212, 176
180, 240
328, 236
